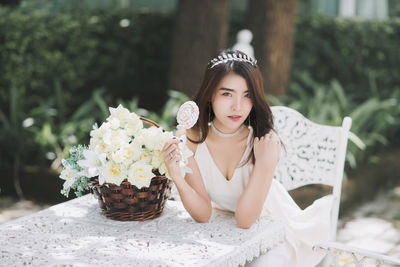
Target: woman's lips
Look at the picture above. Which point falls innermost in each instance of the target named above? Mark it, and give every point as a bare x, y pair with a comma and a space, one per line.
234, 117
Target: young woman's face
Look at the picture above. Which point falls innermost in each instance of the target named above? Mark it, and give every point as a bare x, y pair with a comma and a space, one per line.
231, 103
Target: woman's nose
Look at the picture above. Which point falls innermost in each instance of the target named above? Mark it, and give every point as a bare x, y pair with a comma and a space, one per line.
236, 104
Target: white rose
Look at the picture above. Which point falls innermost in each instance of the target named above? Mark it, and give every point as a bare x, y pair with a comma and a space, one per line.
120, 112
139, 139
133, 124
116, 139
114, 123
146, 157
126, 154
120, 155
164, 171
157, 159
162, 138
140, 174
99, 132
114, 173
152, 138
97, 145
134, 151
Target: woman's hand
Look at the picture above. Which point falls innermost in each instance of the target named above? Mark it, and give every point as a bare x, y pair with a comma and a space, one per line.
172, 156
266, 150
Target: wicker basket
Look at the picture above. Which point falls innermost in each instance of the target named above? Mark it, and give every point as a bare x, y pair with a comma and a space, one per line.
126, 202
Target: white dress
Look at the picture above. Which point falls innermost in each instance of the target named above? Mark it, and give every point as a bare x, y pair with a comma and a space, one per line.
303, 228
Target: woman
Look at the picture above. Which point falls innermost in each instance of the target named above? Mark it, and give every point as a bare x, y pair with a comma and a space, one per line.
236, 151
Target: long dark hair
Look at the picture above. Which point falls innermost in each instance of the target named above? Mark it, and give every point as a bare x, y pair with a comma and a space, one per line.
260, 115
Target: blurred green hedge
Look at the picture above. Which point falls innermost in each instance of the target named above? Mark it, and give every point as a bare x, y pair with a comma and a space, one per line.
60, 70
125, 51
63, 68
360, 54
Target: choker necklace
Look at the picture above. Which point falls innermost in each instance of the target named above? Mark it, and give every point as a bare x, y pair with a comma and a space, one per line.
224, 134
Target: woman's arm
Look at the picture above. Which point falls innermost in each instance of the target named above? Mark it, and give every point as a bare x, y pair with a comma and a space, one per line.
194, 196
251, 202
191, 189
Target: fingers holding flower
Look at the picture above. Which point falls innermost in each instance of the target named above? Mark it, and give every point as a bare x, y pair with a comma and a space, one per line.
172, 157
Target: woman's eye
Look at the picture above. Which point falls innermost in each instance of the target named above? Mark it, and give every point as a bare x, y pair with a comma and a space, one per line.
247, 95
226, 94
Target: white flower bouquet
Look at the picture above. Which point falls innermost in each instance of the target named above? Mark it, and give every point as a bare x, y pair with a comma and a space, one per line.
120, 150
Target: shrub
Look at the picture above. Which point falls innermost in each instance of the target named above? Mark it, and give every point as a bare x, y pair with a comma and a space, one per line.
62, 69
123, 50
361, 54
374, 119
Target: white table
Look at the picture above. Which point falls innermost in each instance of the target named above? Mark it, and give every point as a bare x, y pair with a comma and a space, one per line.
75, 233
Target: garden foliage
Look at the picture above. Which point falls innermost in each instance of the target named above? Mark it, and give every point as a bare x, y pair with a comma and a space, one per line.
363, 55
374, 119
60, 70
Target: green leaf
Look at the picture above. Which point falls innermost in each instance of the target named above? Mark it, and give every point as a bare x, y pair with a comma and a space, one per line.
97, 96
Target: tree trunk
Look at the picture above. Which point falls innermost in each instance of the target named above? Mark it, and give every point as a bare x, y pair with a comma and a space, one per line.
17, 184
272, 24
200, 32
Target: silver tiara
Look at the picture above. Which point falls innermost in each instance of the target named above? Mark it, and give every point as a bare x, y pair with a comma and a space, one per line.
224, 58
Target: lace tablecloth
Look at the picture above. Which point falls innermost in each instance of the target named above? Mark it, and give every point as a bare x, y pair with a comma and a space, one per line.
75, 233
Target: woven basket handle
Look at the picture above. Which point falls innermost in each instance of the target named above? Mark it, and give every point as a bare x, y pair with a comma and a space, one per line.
150, 122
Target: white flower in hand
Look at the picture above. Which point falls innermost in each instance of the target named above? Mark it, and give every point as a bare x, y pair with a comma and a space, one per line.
140, 174
185, 151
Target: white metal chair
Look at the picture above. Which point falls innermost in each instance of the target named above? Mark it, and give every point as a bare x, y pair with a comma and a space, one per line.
354, 256
315, 154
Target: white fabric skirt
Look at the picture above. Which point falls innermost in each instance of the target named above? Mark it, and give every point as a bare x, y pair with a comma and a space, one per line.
303, 229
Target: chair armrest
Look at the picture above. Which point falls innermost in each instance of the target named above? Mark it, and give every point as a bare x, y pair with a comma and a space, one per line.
335, 249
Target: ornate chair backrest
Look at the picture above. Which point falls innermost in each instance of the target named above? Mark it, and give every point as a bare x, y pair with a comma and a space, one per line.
313, 154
